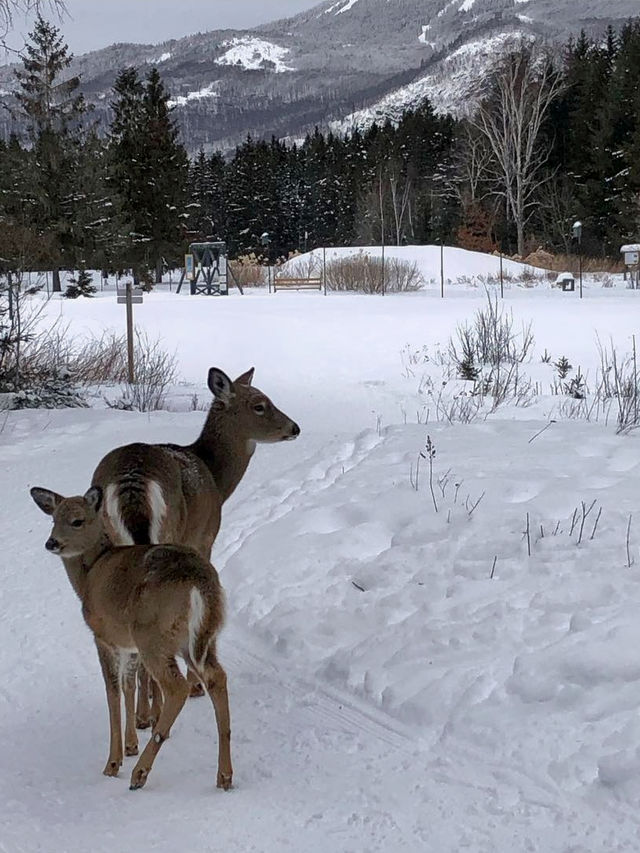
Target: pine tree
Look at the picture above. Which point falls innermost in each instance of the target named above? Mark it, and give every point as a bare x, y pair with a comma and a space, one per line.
167, 170
81, 285
54, 108
148, 171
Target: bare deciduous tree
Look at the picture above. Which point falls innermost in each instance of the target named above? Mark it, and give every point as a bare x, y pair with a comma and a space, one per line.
525, 85
10, 8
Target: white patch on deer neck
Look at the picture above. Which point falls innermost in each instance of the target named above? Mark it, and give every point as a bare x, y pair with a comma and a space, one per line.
157, 510
251, 446
196, 615
112, 511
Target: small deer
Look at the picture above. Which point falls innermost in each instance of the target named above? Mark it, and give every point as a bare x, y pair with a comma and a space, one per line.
155, 601
168, 493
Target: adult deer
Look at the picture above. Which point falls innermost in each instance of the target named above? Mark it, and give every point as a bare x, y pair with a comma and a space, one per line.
172, 493
168, 493
158, 601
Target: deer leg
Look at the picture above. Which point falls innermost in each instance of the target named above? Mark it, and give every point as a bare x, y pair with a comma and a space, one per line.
143, 714
129, 689
156, 701
196, 689
110, 665
215, 679
175, 691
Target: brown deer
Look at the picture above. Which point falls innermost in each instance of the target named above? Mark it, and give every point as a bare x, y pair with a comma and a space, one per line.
171, 493
168, 493
155, 601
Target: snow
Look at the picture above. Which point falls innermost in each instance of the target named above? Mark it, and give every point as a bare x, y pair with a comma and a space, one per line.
206, 92
348, 5
387, 693
423, 36
467, 6
164, 57
251, 53
452, 88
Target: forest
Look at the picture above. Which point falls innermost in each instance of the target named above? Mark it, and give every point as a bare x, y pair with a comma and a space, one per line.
554, 138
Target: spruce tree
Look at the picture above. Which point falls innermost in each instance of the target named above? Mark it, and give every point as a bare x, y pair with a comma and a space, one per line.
52, 104
148, 171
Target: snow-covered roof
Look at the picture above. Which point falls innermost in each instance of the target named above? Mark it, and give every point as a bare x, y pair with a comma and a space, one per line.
565, 276
631, 247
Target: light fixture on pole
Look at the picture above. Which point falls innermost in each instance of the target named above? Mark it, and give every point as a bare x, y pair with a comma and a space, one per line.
576, 233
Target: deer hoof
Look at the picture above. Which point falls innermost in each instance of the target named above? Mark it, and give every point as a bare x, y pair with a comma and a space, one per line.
132, 749
138, 778
112, 768
224, 781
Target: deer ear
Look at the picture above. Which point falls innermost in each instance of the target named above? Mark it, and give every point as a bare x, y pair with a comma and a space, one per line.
46, 499
245, 378
94, 498
220, 385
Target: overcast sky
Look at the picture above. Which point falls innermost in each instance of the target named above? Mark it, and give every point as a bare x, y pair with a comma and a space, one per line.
92, 24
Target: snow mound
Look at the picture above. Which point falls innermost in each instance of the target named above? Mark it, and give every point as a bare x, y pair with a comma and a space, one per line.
254, 54
459, 263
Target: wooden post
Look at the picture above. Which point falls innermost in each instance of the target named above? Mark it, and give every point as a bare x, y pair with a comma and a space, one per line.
324, 266
441, 268
130, 333
501, 278
580, 262
383, 264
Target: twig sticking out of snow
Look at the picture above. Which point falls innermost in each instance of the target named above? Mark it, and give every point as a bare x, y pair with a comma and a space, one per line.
527, 533
493, 567
585, 513
630, 561
533, 437
593, 532
472, 509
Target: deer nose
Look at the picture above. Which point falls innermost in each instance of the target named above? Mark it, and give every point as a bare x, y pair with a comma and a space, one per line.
52, 544
295, 430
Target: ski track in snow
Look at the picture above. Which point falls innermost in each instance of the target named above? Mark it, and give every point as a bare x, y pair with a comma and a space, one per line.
427, 708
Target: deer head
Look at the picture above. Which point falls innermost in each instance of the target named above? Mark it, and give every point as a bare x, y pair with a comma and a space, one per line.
254, 416
77, 525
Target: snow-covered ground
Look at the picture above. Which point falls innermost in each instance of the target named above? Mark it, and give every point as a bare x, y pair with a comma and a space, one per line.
400, 678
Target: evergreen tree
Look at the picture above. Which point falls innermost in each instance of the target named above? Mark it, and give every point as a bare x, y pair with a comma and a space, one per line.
81, 285
148, 171
54, 107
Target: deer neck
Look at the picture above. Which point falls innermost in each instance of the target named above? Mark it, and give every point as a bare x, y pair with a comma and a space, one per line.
78, 568
224, 450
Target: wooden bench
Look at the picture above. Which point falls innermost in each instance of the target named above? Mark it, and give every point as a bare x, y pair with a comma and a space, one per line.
285, 283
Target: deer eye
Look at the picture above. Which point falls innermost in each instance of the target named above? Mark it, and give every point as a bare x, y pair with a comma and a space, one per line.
77, 522
259, 408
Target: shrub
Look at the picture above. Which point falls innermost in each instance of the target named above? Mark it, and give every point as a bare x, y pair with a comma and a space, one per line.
155, 371
363, 274
248, 271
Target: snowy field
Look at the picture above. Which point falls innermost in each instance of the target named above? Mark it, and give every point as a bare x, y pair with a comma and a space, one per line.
401, 678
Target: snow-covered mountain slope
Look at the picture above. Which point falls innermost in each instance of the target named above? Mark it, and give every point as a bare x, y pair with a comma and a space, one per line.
334, 60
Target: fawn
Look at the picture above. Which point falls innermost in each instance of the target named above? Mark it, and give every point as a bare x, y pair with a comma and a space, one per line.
155, 601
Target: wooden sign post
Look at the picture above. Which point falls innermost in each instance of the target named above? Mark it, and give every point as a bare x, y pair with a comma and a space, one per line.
127, 295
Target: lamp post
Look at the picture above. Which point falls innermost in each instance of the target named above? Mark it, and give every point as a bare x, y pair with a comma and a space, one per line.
576, 233
265, 240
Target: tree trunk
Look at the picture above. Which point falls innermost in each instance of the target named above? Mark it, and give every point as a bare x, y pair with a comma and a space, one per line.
159, 267
55, 278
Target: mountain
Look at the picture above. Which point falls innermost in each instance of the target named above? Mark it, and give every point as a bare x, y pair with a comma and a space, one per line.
339, 63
